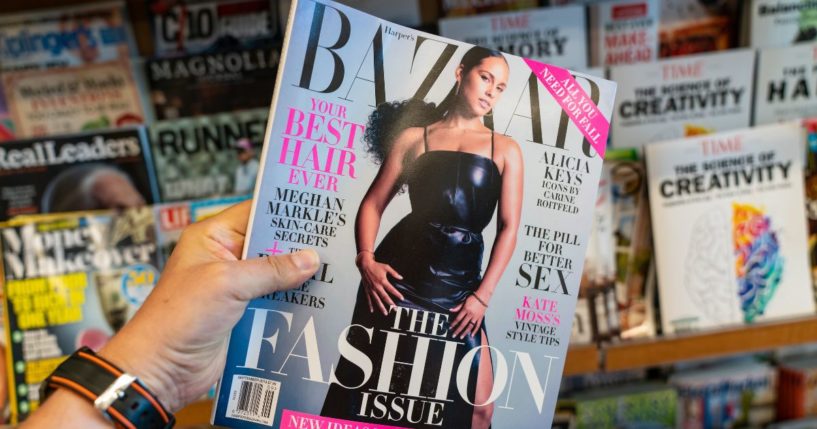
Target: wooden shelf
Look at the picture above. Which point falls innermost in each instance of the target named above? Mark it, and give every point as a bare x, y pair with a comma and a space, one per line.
196, 414
744, 339
582, 359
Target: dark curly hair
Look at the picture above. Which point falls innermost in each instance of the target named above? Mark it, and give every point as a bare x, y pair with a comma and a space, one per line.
390, 119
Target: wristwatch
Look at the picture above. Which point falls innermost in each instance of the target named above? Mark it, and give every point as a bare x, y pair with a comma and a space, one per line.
121, 397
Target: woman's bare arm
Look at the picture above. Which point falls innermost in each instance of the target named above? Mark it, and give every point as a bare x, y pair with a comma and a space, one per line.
471, 311
508, 215
379, 290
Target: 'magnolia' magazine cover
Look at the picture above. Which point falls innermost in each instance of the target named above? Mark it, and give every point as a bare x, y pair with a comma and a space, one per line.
449, 190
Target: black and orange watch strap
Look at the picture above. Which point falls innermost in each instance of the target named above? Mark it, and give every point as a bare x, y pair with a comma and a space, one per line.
120, 396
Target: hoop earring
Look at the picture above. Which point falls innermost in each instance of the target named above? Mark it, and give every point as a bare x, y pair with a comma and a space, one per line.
457, 89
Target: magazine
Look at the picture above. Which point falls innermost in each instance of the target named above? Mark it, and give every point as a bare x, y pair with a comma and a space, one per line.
71, 36
810, 184
171, 219
70, 100
473, 7
205, 84
89, 171
781, 23
408, 13
203, 209
643, 405
634, 271
351, 113
732, 248
6, 126
555, 35
786, 83
70, 280
188, 27
697, 26
681, 97
624, 32
207, 156
737, 394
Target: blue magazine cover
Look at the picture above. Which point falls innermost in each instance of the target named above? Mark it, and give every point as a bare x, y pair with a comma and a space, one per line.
449, 190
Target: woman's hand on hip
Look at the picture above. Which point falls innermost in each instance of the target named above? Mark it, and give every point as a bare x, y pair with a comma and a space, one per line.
379, 290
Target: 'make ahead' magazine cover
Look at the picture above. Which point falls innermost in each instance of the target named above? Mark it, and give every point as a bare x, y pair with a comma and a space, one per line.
449, 191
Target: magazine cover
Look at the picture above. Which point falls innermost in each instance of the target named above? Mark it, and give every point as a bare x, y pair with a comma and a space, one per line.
207, 156
72, 36
697, 26
474, 7
6, 126
205, 84
810, 172
786, 83
70, 280
733, 395
70, 100
680, 97
555, 35
780, 23
593, 319
171, 219
624, 32
203, 209
646, 405
732, 248
409, 13
188, 27
634, 271
90, 171
796, 389
452, 212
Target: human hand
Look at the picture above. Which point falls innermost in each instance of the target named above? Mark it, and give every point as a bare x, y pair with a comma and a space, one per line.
379, 289
470, 313
177, 342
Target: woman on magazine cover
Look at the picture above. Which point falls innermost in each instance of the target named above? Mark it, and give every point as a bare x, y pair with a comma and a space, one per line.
457, 171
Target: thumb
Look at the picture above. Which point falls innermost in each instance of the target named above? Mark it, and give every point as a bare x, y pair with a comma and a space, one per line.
252, 278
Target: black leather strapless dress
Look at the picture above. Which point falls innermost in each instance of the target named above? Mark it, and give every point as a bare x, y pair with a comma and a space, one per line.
438, 249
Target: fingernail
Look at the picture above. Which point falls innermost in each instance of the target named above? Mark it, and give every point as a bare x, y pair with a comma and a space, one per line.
306, 259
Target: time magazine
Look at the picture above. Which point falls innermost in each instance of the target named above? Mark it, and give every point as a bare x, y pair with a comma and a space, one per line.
449, 190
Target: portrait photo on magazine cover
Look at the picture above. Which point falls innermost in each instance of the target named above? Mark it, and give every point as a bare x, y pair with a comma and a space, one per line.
457, 173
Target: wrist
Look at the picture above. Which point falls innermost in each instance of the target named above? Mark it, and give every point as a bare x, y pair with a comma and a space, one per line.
110, 389
482, 301
144, 364
364, 256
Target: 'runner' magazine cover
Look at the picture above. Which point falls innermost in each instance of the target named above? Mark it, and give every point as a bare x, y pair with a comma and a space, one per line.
449, 190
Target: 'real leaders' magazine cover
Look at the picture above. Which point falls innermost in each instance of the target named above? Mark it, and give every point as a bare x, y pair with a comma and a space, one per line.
449, 190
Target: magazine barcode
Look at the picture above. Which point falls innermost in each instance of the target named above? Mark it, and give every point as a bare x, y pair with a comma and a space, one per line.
253, 399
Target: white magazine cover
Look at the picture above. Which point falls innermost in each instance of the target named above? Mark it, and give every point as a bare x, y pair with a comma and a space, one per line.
555, 35
681, 97
730, 233
786, 83
460, 183
780, 23
624, 32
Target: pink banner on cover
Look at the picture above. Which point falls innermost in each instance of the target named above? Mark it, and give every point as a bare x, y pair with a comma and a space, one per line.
295, 420
575, 102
